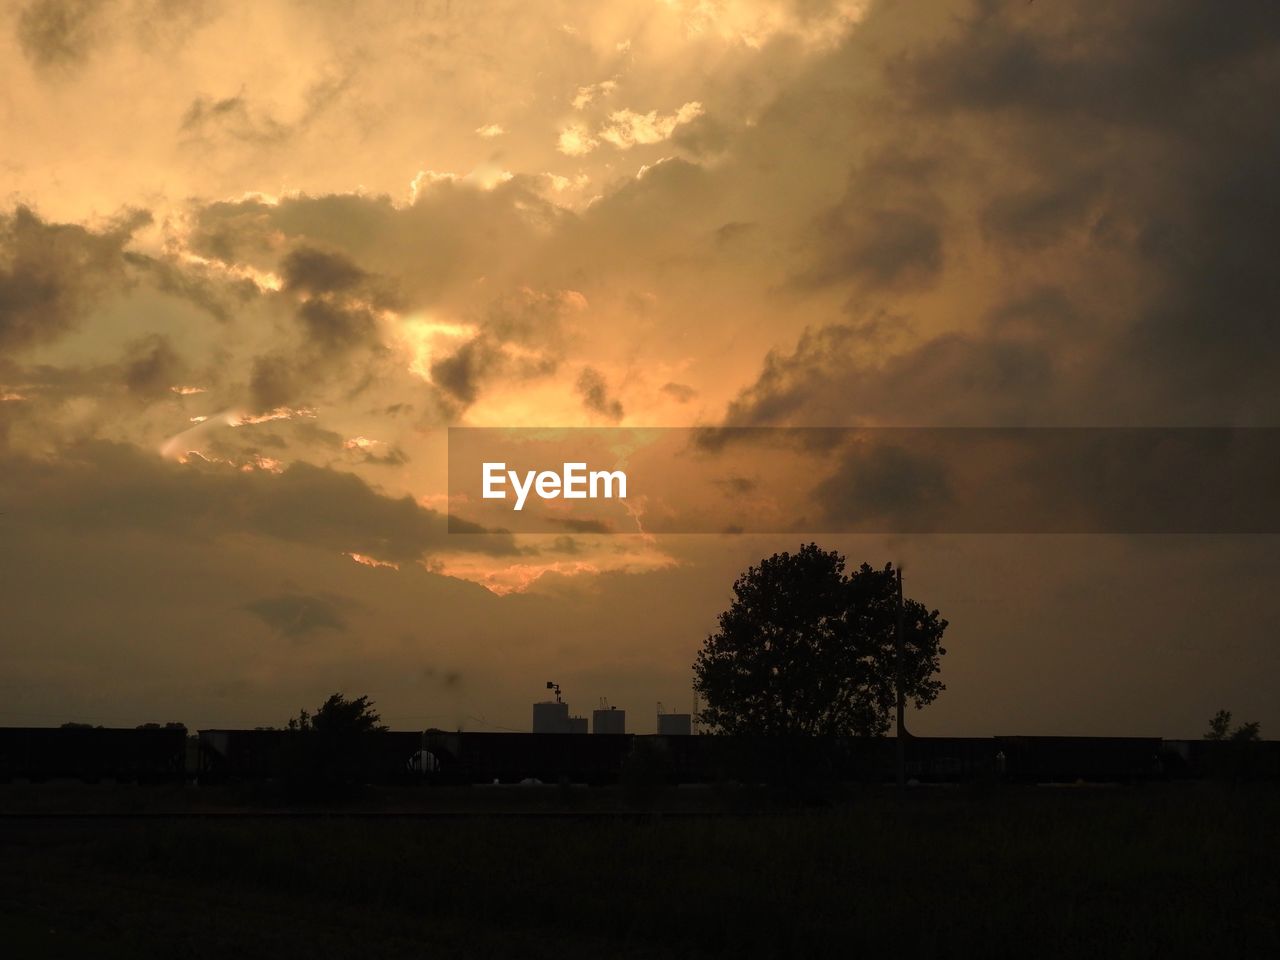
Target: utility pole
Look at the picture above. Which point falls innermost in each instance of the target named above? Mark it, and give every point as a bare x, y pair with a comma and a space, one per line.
898, 672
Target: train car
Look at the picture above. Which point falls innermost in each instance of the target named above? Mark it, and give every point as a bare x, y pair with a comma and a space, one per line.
515, 757
1221, 759
90, 754
382, 757
950, 759
1072, 759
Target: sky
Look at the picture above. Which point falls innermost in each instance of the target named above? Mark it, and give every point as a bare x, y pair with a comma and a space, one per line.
257, 258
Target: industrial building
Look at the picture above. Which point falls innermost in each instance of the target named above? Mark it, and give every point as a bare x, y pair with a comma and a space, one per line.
609, 720
675, 724
552, 716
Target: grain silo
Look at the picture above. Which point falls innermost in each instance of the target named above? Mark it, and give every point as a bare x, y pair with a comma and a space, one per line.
675, 724
551, 716
609, 720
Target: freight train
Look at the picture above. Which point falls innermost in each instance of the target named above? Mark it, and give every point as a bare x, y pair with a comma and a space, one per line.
142, 755
434, 756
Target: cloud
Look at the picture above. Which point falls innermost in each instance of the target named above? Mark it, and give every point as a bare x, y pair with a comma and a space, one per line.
461, 373
1163, 201
331, 327
101, 486
591, 91
577, 525
831, 379
313, 271
220, 297
51, 274
594, 391
59, 33
681, 392
519, 336
238, 119
627, 129
887, 231
576, 140
153, 368
295, 615
895, 486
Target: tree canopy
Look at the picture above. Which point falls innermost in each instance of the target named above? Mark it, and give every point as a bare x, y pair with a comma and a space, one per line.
1220, 728
805, 649
340, 716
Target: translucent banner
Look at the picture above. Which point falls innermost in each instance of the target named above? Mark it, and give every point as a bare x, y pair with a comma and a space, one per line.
865, 480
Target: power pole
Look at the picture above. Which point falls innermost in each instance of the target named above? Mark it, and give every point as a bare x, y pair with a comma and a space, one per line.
898, 671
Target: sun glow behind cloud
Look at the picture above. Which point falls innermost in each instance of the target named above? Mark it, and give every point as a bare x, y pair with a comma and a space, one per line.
598, 556
426, 339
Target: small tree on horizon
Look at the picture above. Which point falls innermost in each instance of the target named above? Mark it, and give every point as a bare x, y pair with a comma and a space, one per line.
340, 716
329, 750
1220, 728
806, 649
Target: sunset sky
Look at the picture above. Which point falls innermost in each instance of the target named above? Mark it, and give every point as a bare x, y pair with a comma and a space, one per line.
257, 257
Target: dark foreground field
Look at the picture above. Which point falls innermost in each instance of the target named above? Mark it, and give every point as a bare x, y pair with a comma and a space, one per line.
1154, 871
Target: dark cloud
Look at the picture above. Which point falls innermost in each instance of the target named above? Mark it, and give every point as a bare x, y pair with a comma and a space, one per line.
447, 679
887, 232
1142, 64
219, 298
317, 271
238, 118
154, 367
882, 483
728, 233
51, 274
334, 328
59, 33
1144, 133
681, 392
564, 544
354, 255
273, 382
459, 375
704, 136
99, 485
445, 237
336, 351
952, 379
1073, 480
528, 319
736, 486
1109, 173
232, 116
391, 457
581, 525
1041, 215
595, 395
297, 614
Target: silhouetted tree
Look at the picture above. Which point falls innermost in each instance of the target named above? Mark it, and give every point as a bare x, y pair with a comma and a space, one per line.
1220, 728
805, 649
340, 716
330, 747
1219, 725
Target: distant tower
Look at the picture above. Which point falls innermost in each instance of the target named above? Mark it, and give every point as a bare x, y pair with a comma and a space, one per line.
608, 719
551, 716
674, 724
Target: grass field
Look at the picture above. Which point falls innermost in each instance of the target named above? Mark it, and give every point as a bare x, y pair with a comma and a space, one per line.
1154, 871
